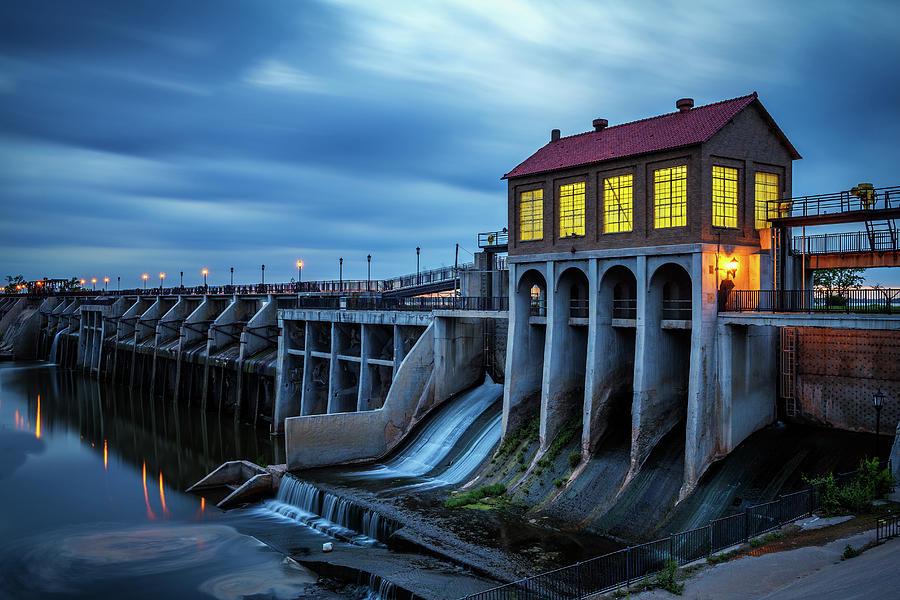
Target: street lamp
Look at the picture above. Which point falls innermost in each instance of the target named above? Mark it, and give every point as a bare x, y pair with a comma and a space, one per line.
418, 251
299, 271
118, 283
144, 277
161, 277
263, 271
181, 280
878, 401
205, 273
105, 284
94, 284
369, 274
232, 276
82, 283
341, 273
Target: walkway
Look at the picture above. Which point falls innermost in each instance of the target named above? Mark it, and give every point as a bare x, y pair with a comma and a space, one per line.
809, 572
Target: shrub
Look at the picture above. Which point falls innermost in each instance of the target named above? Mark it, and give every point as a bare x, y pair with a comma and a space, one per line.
850, 552
574, 459
558, 482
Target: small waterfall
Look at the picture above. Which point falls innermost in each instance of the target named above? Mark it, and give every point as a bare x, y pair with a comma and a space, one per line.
477, 451
53, 346
380, 589
330, 514
432, 444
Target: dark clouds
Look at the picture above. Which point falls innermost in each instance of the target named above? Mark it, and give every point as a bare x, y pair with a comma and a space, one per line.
146, 136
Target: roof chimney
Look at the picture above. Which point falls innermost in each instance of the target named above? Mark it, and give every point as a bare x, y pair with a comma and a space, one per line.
684, 104
554, 135
600, 124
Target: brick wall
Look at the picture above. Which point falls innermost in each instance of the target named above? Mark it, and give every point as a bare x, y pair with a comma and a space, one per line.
838, 372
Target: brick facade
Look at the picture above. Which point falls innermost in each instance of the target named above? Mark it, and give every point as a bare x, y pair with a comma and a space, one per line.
839, 371
747, 143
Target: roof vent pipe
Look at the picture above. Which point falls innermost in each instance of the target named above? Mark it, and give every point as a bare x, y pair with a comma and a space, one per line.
554, 135
600, 124
684, 104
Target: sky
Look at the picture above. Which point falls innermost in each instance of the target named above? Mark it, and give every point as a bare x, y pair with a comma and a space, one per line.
156, 136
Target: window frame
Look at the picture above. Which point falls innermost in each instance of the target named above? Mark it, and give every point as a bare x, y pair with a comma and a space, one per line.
605, 212
684, 203
559, 206
737, 197
539, 220
770, 214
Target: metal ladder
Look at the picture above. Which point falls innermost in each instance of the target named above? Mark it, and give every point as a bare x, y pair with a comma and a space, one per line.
882, 234
789, 370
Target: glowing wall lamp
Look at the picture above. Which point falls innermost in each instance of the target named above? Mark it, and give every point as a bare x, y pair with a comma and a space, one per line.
731, 267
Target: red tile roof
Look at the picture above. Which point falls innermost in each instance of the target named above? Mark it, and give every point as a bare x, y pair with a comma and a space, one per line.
664, 132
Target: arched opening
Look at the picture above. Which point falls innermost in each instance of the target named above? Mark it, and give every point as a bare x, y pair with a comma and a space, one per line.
525, 348
567, 337
666, 363
610, 400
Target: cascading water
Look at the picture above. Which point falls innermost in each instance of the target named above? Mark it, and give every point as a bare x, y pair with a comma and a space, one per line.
53, 346
332, 515
430, 447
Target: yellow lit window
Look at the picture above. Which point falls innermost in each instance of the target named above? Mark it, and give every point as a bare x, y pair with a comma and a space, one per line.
670, 197
531, 215
766, 193
571, 209
724, 197
617, 204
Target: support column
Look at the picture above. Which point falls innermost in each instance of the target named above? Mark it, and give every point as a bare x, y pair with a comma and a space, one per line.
365, 377
305, 395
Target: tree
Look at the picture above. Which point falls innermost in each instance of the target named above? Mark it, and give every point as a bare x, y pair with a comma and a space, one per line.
13, 282
839, 279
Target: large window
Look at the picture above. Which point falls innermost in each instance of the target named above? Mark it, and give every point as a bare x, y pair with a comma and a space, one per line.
670, 197
724, 197
571, 209
617, 204
766, 193
531, 215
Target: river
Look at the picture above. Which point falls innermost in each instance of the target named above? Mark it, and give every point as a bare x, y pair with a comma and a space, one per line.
90, 488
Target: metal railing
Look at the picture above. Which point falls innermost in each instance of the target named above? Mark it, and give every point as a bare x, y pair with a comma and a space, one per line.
624, 308
628, 565
490, 239
578, 308
845, 243
886, 528
816, 300
538, 307
676, 309
838, 202
430, 303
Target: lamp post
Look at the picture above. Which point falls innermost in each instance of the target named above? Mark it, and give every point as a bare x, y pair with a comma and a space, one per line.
205, 273
369, 274
82, 284
232, 276
263, 271
144, 277
878, 401
418, 251
181, 280
341, 273
105, 284
299, 273
94, 284
161, 277
118, 283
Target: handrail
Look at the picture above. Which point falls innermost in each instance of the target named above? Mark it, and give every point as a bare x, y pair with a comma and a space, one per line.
816, 300
845, 243
833, 203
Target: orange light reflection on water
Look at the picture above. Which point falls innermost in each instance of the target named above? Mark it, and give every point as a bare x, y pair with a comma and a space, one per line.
150, 514
37, 427
162, 495
105, 455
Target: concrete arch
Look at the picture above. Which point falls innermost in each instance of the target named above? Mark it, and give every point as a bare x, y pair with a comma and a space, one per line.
572, 288
530, 276
618, 293
566, 271
671, 290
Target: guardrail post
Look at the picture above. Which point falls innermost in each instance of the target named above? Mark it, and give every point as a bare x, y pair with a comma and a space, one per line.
709, 539
628, 565
580, 586
746, 525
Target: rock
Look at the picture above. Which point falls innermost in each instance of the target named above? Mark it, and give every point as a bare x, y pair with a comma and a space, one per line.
327, 547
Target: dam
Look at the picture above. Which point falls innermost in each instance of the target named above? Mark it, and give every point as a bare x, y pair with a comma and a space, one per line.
642, 328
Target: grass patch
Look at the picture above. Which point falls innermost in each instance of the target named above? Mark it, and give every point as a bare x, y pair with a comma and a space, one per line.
574, 459
472, 498
569, 430
769, 537
526, 432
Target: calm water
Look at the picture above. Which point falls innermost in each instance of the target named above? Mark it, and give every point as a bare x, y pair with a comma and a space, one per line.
90, 480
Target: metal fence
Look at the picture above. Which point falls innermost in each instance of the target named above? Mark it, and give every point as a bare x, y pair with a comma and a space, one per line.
499, 303
845, 243
887, 528
631, 564
838, 202
817, 300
